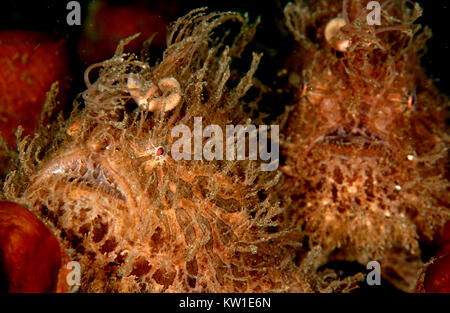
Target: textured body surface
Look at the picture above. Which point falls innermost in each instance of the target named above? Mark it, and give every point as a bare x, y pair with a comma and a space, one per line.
136, 219
364, 173
366, 142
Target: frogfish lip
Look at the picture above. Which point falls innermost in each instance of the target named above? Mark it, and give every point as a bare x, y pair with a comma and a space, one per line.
30, 256
345, 140
90, 170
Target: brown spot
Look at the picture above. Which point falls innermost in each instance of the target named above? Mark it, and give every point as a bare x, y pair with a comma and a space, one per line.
164, 277
156, 239
192, 267
184, 189
91, 255
320, 184
368, 187
343, 208
120, 258
225, 232
236, 271
239, 285
84, 229
140, 267
185, 222
192, 281
171, 198
109, 245
201, 183
100, 230
76, 240
229, 205
334, 192
338, 177
207, 231
322, 169
83, 213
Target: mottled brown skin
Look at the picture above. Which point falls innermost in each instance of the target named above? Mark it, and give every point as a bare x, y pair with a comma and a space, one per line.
143, 223
367, 164
137, 222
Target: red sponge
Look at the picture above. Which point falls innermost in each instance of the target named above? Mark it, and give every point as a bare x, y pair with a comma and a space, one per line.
29, 63
106, 25
30, 256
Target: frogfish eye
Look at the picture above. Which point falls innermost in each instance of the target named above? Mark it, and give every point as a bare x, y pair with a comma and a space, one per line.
160, 151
